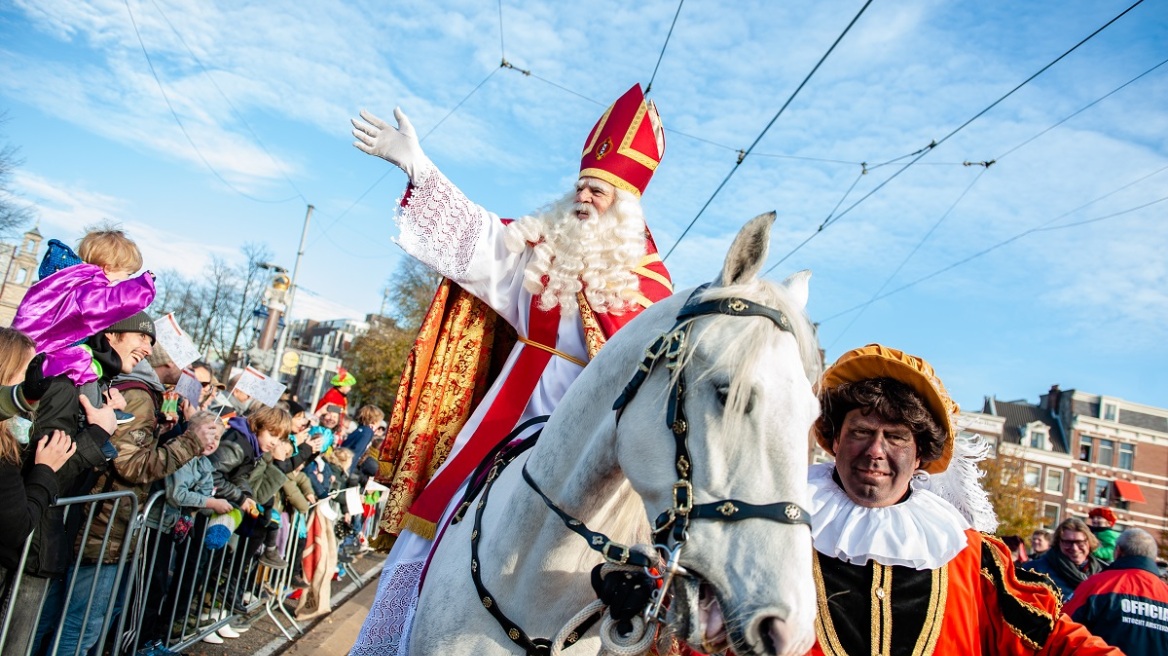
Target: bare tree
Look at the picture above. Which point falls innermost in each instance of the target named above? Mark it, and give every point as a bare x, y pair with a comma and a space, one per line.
251, 279
410, 289
13, 212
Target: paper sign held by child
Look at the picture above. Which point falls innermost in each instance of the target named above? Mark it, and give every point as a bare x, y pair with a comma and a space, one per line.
260, 387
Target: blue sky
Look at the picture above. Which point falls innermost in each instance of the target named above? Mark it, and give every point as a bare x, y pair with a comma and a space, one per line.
265, 91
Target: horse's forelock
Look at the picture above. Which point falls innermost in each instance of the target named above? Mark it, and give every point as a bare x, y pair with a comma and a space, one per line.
774, 296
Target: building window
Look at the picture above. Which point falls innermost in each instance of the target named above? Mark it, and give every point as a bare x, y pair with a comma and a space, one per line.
1101, 488
21, 276
1106, 452
1085, 449
1054, 480
1032, 475
1127, 456
1050, 515
1082, 488
1037, 438
1109, 412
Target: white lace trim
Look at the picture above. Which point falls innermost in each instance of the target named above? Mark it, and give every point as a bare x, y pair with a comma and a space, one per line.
386, 628
924, 532
439, 225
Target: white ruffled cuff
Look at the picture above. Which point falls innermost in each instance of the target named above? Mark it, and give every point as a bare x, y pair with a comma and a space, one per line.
439, 225
923, 532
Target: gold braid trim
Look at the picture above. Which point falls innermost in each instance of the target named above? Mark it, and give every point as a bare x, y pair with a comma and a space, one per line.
824, 628
935, 614
1027, 606
545, 347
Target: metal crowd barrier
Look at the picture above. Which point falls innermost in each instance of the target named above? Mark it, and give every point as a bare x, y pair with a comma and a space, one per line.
204, 589
35, 607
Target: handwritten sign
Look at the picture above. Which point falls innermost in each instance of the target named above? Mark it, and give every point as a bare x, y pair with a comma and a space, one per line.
260, 387
189, 387
352, 501
178, 346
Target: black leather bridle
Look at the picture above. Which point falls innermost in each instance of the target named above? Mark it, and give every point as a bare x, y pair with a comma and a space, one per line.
674, 522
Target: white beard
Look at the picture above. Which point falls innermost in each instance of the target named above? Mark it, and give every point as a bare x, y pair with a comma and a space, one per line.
595, 256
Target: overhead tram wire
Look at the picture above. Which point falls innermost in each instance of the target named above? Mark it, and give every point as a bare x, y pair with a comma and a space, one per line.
933, 145
182, 128
910, 255
1081, 110
236, 112
1042, 227
325, 229
744, 154
652, 77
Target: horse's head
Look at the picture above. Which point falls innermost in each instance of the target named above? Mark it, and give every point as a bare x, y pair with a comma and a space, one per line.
740, 384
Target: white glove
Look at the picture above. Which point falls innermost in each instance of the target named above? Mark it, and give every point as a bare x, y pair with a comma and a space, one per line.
398, 146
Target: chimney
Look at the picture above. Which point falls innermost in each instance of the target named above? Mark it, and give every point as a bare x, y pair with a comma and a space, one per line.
1052, 399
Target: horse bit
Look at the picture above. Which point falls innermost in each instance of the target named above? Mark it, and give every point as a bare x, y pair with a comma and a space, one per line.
674, 522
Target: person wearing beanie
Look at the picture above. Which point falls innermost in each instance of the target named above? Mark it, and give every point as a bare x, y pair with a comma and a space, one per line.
140, 463
503, 278
1101, 521
898, 567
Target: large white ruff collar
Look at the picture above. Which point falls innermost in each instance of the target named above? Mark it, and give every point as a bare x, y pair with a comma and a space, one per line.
924, 532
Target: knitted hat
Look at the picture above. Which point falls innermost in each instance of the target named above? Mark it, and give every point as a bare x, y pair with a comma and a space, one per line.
138, 323
1105, 513
876, 361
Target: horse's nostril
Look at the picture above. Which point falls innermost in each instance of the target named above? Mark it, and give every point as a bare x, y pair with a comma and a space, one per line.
775, 635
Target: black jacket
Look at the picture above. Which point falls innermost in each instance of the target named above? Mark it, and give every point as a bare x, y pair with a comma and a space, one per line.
51, 551
234, 461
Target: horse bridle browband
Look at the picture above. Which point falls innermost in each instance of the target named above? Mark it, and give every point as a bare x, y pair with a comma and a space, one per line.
669, 346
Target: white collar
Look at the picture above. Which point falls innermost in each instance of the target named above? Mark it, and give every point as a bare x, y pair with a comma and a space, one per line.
922, 532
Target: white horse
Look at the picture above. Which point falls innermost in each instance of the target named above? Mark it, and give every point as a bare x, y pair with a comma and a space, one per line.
748, 401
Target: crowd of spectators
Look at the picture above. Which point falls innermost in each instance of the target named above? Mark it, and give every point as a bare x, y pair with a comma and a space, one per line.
88, 406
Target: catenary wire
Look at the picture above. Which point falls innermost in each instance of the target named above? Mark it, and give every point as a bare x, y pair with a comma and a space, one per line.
389, 170
652, 77
910, 255
933, 145
1042, 227
238, 114
744, 154
182, 128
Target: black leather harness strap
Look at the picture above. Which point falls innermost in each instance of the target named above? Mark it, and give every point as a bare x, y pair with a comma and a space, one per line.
531, 646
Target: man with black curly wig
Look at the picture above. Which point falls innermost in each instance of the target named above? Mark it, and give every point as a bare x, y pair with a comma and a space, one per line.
898, 568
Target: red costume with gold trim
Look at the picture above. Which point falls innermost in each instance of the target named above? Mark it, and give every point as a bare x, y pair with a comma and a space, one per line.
450, 409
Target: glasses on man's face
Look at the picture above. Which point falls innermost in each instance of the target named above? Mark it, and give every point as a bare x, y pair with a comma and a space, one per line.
1082, 544
205, 383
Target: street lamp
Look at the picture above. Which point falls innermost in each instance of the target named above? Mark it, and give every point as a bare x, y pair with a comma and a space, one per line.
280, 344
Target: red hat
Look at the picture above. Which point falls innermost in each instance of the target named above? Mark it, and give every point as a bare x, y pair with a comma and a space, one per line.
1105, 513
626, 144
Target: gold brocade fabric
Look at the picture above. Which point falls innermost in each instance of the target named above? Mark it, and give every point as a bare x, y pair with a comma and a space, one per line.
446, 375
593, 335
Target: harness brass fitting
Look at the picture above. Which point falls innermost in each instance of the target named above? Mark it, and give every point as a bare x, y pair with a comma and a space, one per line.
683, 503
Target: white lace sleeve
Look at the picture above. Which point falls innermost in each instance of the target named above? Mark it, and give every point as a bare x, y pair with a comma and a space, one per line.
439, 225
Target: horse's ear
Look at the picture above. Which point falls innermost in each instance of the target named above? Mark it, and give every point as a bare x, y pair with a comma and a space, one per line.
796, 285
749, 251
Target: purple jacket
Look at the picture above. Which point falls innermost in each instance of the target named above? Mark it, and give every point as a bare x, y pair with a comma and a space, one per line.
73, 304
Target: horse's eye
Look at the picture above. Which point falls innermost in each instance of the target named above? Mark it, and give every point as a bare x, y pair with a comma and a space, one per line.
723, 393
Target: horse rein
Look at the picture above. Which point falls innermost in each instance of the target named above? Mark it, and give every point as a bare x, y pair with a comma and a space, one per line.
668, 347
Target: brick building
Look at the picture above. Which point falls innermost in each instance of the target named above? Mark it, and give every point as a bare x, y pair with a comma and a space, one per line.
1083, 450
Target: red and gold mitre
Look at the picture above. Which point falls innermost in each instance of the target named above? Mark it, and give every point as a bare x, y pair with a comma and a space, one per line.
626, 144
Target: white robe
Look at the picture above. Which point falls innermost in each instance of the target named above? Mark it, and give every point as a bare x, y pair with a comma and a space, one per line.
463, 242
